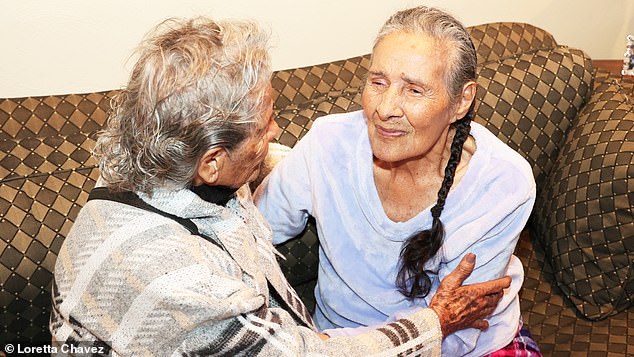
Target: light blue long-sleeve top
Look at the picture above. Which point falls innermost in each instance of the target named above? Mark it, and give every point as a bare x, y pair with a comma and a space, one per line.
328, 175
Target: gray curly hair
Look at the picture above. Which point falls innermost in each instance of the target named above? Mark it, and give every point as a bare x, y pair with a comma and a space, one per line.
197, 84
462, 61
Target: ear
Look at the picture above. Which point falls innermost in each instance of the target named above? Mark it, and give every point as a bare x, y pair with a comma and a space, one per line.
467, 97
209, 166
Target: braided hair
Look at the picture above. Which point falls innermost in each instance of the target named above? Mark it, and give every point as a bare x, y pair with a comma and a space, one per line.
412, 279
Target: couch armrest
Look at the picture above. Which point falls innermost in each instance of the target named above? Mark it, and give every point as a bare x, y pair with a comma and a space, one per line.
584, 215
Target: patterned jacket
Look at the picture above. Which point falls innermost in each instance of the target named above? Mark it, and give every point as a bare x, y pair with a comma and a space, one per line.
138, 283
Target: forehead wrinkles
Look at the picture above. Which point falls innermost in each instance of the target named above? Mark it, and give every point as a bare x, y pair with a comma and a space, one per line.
392, 54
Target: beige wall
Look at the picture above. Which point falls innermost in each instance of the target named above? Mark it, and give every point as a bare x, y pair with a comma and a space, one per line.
75, 46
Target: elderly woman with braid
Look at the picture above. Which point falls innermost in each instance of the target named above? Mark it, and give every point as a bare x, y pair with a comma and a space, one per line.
404, 188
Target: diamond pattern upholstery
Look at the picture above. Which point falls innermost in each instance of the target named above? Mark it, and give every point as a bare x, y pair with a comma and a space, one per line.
585, 210
539, 93
498, 40
296, 120
301, 263
295, 86
554, 322
53, 115
31, 156
46, 172
37, 213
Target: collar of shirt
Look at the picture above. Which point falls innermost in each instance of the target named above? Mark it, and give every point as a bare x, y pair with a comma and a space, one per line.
219, 195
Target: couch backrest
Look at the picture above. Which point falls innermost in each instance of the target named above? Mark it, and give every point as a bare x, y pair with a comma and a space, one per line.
530, 89
497, 40
297, 85
46, 172
492, 41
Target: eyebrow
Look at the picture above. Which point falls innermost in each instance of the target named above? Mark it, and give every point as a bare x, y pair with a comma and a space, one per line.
376, 73
414, 81
406, 79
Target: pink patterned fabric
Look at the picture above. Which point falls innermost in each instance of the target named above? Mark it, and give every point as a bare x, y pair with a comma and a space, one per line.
522, 345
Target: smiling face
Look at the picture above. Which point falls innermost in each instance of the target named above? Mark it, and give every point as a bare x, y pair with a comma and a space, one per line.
405, 99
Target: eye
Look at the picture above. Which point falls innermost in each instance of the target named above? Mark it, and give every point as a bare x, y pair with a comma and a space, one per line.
415, 90
378, 83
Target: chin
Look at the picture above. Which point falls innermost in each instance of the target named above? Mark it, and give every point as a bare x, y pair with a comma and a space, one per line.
385, 152
254, 175
385, 157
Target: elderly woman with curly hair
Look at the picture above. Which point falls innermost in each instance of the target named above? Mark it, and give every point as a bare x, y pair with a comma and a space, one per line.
170, 256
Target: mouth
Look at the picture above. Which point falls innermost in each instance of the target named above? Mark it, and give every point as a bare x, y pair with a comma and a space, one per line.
389, 133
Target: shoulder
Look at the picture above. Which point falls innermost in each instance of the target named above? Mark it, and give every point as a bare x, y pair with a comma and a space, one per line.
332, 135
500, 163
138, 231
338, 124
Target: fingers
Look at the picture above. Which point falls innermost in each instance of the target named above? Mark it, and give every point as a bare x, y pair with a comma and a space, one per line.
480, 324
461, 273
323, 336
494, 286
492, 301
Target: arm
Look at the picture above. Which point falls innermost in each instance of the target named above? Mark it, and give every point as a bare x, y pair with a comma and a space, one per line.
453, 301
492, 233
284, 197
272, 331
457, 306
230, 317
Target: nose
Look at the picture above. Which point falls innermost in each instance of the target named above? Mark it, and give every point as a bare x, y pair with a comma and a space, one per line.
389, 105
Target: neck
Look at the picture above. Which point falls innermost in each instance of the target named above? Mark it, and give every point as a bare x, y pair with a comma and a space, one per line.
430, 164
406, 188
219, 195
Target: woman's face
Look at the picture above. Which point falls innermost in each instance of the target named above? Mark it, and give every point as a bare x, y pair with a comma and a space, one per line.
405, 99
245, 161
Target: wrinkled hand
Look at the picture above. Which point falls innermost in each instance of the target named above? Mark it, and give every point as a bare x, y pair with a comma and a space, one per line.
459, 307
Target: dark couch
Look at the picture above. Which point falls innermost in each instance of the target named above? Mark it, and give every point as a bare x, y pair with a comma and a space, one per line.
572, 122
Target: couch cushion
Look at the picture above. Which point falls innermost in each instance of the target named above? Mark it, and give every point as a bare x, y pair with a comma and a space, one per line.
530, 101
492, 41
497, 40
41, 155
585, 210
555, 323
